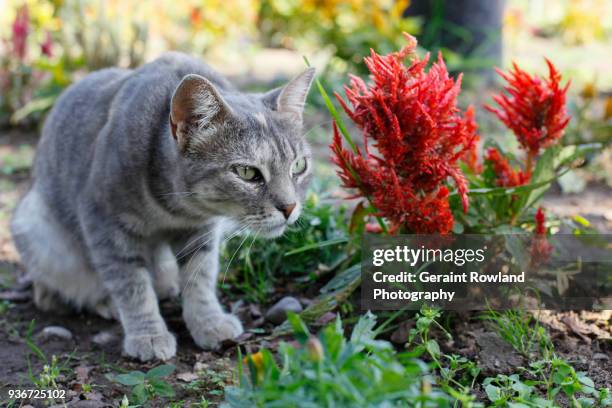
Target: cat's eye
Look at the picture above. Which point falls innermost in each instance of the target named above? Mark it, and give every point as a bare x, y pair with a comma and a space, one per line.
298, 166
248, 173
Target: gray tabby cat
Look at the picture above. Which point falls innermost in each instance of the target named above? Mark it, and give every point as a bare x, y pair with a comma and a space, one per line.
138, 175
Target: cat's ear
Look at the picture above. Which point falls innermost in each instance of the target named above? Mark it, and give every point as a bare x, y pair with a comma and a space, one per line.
195, 110
291, 97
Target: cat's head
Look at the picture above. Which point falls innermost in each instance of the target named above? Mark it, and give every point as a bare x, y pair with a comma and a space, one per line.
244, 155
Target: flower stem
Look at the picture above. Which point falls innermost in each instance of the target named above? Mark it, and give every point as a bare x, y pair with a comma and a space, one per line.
529, 164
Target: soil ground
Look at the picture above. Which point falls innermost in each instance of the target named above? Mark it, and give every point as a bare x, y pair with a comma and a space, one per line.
583, 338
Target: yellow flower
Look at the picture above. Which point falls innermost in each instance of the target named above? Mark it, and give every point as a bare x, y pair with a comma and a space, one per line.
588, 91
256, 359
257, 363
582, 21
378, 19
397, 11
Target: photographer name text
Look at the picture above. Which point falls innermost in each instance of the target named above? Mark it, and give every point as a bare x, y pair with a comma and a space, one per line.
411, 257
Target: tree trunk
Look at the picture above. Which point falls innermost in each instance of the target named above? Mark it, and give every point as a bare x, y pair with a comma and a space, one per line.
471, 28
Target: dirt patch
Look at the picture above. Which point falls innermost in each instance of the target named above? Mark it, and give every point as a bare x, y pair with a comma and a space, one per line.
93, 350
594, 204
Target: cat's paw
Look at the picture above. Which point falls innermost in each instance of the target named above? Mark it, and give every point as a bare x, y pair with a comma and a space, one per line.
149, 347
209, 332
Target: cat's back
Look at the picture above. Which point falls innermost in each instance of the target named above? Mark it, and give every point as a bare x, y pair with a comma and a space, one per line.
74, 124
107, 121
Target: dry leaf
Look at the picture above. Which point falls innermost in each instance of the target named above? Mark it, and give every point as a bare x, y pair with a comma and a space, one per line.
576, 327
187, 377
82, 374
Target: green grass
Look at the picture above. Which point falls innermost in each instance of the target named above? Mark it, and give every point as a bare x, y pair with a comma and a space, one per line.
548, 379
255, 265
333, 370
521, 330
330, 370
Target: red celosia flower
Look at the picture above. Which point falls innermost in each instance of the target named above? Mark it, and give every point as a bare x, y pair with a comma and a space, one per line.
470, 158
540, 219
506, 175
20, 30
540, 247
534, 108
46, 48
409, 115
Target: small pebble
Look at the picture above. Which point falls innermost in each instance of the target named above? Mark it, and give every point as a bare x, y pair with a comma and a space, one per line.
103, 338
600, 356
278, 313
57, 332
16, 296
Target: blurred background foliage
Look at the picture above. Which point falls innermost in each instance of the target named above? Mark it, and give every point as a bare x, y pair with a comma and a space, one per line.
65, 38
47, 44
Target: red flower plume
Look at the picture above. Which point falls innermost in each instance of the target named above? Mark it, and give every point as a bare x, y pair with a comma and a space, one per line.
540, 219
409, 116
533, 108
46, 47
506, 175
540, 247
20, 29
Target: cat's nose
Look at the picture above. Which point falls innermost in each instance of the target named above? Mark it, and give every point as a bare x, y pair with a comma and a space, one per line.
286, 209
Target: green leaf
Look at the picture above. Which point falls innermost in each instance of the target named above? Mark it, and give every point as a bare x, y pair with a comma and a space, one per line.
522, 388
160, 371
584, 380
332, 111
570, 153
131, 379
317, 245
517, 405
300, 330
139, 394
506, 190
493, 392
363, 332
36, 350
342, 279
586, 402
433, 348
516, 245
35, 105
161, 388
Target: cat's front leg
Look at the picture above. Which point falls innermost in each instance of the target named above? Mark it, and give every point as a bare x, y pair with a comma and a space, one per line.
122, 265
208, 324
146, 334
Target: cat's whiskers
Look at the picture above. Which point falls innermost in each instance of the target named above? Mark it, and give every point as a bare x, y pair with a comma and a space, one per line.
181, 254
194, 273
233, 256
186, 193
248, 250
